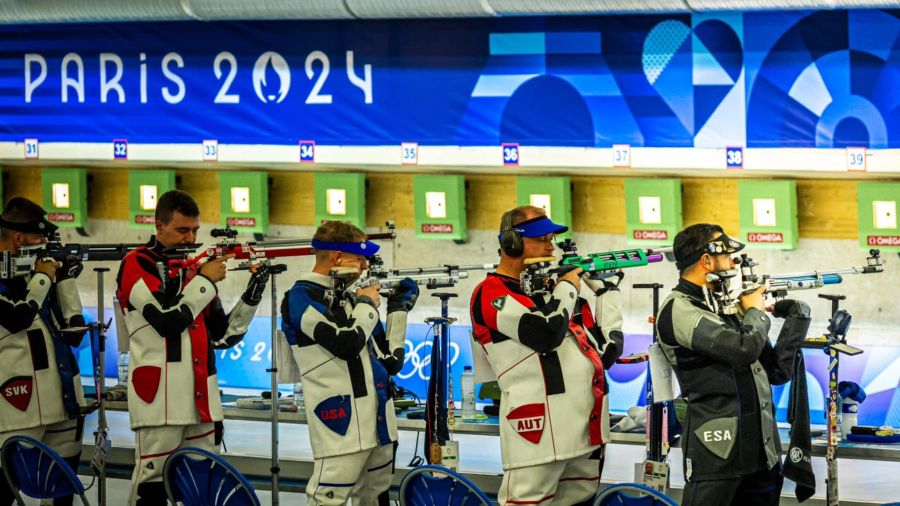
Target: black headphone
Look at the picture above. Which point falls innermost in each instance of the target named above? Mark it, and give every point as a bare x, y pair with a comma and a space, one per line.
510, 239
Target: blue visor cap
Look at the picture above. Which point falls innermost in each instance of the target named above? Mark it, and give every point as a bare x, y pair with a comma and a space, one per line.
364, 248
539, 227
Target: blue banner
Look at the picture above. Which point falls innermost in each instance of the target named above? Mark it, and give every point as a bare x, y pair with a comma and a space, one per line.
761, 79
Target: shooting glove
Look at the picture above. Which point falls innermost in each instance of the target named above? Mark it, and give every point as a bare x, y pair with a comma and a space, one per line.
601, 286
790, 308
256, 286
70, 269
394, 363
404, 296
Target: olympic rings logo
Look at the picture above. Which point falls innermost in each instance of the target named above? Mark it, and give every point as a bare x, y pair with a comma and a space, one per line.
420, 359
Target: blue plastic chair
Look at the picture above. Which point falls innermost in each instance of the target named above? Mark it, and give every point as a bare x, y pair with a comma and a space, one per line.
632, 494
421, 488
32, 468
196, 477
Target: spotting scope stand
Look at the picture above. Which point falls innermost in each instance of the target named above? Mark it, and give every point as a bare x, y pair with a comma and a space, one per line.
834, 343
274, 270
657, 416
437, 405
102, 443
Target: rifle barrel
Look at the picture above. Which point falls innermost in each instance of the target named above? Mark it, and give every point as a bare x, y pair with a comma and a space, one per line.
866, 269
247, 253
382, 235
440, 270
422, 279
803, 282
90, 252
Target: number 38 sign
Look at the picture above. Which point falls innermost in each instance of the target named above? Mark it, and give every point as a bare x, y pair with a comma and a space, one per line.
510, 153
734, 157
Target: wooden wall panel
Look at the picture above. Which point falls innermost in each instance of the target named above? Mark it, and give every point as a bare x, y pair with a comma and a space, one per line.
203, 185
108, 194
827, 209
598, 205
22, 182
292, 198
389, 196
487, 198
711, 201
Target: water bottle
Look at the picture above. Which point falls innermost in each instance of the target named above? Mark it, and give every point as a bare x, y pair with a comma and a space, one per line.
122, 364
467, 382
298, 396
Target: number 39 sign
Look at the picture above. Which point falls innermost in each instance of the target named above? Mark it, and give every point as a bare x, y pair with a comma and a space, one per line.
856, 159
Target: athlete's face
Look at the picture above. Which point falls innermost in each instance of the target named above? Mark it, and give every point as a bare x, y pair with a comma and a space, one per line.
180, 230
536, 247
343, 259
718, 263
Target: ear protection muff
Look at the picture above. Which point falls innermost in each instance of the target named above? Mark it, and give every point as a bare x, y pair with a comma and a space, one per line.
510, 239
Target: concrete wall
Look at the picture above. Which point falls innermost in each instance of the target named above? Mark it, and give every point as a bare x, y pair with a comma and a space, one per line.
827, 212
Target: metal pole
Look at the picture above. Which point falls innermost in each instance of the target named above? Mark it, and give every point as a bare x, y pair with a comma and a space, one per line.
654, 412
832, 497
445, 358
440, 368
273, 370
102, 427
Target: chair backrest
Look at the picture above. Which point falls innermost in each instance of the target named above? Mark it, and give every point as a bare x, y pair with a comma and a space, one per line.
196, 477
34, 469
439, 486
632, 494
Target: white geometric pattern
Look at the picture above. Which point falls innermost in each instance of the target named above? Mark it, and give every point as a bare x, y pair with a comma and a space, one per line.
660, 46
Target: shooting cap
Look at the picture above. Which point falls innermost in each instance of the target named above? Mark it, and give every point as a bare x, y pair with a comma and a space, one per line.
721, 245
39, 224
362, 248
538, 227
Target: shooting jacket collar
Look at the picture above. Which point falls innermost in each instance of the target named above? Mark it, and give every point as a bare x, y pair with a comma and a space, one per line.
686, 287
154, 246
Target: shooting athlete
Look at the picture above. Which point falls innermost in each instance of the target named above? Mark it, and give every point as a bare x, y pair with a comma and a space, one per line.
549, 353
174, 323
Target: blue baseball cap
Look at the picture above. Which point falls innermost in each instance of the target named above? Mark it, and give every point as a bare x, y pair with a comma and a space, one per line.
538, 227
361, 248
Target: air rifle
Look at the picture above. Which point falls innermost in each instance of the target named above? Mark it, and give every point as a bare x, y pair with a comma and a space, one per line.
250, 252
432, 278
58, 251
778, 285
539, 272
22, 264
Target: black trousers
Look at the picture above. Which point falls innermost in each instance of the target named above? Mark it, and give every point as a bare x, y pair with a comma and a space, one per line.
758, 489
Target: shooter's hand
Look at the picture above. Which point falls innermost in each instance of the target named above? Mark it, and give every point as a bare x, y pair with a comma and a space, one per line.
48, 267
371, 292
754, 299
404, 296
215, 270
574, 277
70, 268
257, 284
603, 285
